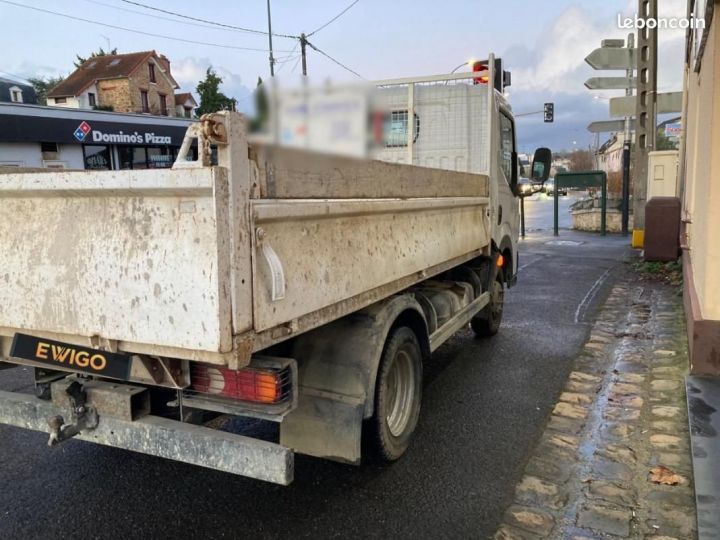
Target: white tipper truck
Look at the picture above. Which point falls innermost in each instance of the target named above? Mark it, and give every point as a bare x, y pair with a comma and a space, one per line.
280, 284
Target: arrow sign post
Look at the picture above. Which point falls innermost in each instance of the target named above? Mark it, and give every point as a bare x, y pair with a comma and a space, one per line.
668, 102
610, 83
609, 126
613, 58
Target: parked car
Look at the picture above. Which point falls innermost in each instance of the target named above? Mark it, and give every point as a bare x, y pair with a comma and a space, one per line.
550, 188
525, 187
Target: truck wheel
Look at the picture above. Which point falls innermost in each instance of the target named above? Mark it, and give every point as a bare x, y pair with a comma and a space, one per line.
398, 390
487, 322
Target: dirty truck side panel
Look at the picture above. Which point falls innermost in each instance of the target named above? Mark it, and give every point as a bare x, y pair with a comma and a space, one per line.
335, 250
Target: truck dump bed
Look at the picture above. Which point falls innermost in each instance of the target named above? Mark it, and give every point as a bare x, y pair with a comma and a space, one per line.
212, 263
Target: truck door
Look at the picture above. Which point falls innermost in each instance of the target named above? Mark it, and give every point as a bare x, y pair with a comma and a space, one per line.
507, 214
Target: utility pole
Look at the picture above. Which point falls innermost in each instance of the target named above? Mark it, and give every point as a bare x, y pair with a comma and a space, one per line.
645, 113
303, 43
272, 60
626, 152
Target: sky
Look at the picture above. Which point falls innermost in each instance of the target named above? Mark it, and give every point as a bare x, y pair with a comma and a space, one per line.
542, 42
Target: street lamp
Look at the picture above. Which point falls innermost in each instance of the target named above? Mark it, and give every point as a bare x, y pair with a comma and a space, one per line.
468, 63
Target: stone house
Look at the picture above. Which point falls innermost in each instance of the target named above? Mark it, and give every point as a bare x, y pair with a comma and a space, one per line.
138, 82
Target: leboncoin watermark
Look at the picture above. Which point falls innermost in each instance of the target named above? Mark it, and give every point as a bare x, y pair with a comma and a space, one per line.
661, 23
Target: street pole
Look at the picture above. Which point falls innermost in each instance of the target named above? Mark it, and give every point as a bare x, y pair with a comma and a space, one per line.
272, 60
626, 153
644, 114
303, 43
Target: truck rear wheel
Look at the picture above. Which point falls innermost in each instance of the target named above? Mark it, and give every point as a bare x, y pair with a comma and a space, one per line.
398, 391
487, 322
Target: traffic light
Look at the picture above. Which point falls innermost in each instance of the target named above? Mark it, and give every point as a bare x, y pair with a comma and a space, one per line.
549, 112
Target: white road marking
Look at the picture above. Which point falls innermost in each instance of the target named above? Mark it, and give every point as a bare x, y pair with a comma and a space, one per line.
590, 295
524, 266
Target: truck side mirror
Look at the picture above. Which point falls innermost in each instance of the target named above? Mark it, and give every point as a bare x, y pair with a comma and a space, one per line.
541, 165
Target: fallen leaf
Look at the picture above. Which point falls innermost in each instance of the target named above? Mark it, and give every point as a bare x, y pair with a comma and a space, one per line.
663, 475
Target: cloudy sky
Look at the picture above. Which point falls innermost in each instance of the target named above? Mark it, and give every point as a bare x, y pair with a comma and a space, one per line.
543, 43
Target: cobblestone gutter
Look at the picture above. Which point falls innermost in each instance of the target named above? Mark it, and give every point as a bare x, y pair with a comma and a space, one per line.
619, 426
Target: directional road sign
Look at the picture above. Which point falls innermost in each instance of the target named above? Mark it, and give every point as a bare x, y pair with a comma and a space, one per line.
611, 83
612, 58
609, 126
668, 102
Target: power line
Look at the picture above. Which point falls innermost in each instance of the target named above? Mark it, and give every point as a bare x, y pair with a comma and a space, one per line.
295, 66
288, 58
15, 76
326, 55
336, 17
215, 23
160, 17
172, 38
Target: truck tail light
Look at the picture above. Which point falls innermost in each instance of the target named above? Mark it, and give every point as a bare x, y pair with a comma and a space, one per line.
248, 384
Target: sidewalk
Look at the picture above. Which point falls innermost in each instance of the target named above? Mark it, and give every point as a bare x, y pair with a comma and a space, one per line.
614, 460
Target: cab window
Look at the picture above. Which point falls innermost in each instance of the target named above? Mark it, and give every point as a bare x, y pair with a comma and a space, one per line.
507, 142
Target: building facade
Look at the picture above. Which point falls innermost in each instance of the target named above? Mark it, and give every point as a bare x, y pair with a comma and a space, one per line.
700, 189
139, 83
16, 92
35, 136
185, 104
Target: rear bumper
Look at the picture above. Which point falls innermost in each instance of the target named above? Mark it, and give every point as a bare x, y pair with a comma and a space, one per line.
165, 438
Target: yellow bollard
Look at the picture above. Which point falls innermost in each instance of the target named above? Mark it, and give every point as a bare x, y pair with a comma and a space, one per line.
638, 238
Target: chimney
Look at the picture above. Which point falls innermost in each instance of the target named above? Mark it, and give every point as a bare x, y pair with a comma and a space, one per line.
165, 62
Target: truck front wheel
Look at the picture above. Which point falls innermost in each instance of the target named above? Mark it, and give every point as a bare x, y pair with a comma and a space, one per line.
487, 322
398, 390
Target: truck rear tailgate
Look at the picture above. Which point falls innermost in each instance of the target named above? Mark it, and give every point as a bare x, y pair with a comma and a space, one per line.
140, 257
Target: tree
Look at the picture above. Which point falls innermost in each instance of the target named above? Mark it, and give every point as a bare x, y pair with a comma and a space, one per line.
100, 52
262, 108
663, 142
43, 85
211, 99
581, 160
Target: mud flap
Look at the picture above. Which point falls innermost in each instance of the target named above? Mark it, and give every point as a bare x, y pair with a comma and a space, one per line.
326, 426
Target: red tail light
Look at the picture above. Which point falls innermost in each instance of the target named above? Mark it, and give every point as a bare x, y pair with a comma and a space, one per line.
249, 384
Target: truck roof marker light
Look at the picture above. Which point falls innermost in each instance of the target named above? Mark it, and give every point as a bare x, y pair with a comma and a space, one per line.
479, 66
500, 261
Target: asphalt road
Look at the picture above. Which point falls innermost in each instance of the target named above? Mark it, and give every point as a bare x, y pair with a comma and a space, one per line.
485, 403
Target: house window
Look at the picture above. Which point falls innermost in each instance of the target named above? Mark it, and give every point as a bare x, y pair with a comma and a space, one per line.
188, 112
163, 104
50, 147
144, 101
151, 67
91, 99
60, 100
16, 94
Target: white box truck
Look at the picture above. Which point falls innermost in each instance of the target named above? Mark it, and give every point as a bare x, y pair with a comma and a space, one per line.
281, 284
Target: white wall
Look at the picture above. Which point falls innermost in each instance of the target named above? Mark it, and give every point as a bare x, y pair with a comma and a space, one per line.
70, 103
29, 155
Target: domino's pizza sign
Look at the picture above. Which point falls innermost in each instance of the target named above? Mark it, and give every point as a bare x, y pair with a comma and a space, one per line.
82, 131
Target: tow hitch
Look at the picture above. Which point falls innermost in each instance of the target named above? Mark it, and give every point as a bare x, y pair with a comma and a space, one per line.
84, 416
